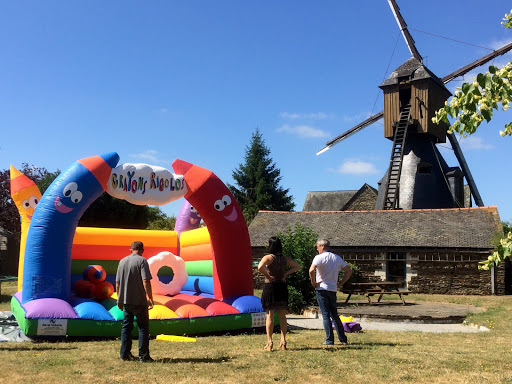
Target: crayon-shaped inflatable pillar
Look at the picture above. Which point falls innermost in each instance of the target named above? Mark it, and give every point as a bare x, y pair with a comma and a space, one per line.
47, 270
26, 196
232, 258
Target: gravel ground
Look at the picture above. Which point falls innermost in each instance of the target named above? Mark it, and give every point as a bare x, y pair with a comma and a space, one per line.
302, 322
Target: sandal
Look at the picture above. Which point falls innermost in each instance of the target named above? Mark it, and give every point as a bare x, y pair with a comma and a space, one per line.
269, 346
282, 346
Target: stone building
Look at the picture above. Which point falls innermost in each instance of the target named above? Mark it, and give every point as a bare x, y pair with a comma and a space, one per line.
430, 251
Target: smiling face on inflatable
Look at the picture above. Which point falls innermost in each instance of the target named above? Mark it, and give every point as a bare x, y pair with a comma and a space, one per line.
26, 196
226, 224
47, 266
24, 193
188, 218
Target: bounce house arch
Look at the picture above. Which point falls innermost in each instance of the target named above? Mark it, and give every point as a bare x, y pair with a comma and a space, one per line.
216, 259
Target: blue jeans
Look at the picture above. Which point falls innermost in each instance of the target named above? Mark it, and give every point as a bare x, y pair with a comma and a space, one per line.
142, 313
327, 303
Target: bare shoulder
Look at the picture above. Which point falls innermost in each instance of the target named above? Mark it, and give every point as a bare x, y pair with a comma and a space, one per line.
267, 259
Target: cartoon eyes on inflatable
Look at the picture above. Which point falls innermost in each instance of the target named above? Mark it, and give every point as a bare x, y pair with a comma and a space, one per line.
193, 210
30, 203
71, 191
219, 205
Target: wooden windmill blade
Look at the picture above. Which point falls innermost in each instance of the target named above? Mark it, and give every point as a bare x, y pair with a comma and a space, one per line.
351, 131
405, 31
477, 63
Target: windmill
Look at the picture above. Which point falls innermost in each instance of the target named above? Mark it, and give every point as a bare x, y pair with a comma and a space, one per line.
417, 176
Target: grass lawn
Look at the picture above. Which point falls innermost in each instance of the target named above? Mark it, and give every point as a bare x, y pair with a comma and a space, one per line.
371, 356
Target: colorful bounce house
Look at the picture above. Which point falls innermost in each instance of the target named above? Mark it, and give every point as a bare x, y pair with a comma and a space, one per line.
202, 276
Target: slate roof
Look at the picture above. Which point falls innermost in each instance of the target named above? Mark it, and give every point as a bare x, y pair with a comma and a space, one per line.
333, 200
415, 70
464, 228
327, 200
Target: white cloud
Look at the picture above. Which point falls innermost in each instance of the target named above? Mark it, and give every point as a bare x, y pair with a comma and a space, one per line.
499, 43
303, 131
310, 116
149, 156
357, 118
473, 142
356, 167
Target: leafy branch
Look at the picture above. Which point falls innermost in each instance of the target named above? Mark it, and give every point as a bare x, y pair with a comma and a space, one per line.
476, 102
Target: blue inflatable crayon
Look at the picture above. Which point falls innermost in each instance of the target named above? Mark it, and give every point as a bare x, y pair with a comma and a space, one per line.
47, 268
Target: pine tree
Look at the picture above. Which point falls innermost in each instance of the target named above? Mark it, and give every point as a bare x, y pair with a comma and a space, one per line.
258, 182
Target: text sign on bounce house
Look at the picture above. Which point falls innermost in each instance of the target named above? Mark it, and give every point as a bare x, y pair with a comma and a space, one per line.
144, 184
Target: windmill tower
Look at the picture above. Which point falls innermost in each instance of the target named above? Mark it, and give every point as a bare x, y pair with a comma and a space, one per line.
418, 177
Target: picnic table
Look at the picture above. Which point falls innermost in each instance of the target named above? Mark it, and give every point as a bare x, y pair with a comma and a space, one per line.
380, 288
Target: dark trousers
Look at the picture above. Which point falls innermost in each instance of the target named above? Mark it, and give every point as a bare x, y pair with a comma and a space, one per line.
142, 314
328, 307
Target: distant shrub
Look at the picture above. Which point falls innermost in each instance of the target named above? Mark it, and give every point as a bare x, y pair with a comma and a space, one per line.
299, 243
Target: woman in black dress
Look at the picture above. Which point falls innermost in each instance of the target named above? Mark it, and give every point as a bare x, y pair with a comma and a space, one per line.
275, 266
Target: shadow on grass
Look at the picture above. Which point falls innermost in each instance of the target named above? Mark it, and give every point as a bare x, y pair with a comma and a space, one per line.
174, 360
351, 346
18, 347
5, 298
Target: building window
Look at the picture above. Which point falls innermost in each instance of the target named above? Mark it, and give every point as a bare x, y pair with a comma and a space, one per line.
396, 267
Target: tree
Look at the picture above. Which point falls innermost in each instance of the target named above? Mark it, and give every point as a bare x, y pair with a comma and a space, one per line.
507, 227
474, 103
258, 182
159, 220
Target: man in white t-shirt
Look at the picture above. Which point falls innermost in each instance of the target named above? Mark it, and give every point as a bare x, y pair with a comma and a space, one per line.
324, 273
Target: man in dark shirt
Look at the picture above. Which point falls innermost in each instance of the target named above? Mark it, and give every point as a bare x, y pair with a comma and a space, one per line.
134, 298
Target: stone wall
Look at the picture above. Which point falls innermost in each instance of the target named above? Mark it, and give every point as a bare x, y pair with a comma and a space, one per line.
258, 278
452, 278
426, 273
499, 276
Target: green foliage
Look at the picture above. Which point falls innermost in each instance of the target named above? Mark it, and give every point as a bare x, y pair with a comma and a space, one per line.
476, 102
356, 274
45, 181
503, 251
503, 248
258, 181
507, 227
159, 220
507, 20
299, 244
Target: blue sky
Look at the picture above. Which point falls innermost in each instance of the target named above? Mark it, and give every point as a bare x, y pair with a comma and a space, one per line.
160, 80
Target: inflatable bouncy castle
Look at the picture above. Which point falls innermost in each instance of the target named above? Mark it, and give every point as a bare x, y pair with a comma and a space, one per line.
202, 276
